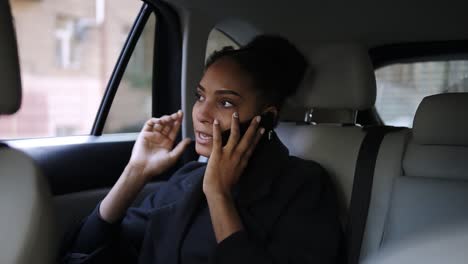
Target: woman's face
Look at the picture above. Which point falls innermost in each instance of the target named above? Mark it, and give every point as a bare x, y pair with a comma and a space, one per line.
223, 90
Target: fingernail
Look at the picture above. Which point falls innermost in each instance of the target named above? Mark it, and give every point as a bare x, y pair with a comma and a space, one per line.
262, 130
216, 122
236, 115
179, 112
259, 118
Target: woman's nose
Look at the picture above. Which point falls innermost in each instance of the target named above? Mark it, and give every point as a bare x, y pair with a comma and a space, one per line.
204, 113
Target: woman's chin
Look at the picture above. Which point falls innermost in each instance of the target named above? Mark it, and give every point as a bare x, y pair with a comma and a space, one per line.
203, 150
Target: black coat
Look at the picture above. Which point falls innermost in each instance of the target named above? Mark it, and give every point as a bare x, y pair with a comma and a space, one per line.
287, 206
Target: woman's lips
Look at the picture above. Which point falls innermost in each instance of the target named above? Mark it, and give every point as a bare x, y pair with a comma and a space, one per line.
203, 138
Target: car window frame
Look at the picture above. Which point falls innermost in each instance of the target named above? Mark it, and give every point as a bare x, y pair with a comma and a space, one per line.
385, 55
166, 92
424, 51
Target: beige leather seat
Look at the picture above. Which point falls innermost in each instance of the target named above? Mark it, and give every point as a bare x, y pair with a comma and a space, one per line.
421, 178
26, 222
446, 246
420, 182
342, 81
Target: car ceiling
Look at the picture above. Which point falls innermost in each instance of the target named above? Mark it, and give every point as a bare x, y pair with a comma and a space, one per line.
369, 22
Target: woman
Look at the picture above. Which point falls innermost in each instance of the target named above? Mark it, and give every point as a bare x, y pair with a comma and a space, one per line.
251, 203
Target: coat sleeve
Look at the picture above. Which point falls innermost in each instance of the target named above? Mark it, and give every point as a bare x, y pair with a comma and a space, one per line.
308, 231
97, 241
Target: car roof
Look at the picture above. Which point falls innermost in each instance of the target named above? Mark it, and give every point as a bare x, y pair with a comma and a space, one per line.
369, 22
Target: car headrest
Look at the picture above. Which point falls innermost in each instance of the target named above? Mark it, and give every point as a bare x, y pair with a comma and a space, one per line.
441, 120
10, 86
438, 147
341, 77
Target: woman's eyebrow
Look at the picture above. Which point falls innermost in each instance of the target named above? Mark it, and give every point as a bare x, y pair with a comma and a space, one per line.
227, 92
221, 91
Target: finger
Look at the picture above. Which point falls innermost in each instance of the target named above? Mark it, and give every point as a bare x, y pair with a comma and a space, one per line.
217, 144
252, 146
158, 128
249, 136
167, 128
167, 122
175, 129
177, 121
177, 116
235, 134
165, 119
148, 126
179, 149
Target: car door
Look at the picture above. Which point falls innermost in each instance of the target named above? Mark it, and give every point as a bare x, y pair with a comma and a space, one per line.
145, 81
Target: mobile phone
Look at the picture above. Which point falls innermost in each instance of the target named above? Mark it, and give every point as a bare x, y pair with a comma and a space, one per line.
267, 122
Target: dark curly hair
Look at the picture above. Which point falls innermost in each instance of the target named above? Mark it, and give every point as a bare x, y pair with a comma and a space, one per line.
275, 65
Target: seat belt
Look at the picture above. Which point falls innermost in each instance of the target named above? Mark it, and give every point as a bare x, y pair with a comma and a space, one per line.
362, 189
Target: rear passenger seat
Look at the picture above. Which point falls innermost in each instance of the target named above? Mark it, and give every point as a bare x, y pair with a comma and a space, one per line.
421, 175
344, 80
421, 183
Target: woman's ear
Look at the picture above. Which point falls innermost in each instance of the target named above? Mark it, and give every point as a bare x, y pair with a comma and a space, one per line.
270, 122
272, 109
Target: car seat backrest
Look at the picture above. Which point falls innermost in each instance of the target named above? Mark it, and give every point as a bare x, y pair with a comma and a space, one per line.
341, 79
387, 168
335, 148
429, 176
26, 219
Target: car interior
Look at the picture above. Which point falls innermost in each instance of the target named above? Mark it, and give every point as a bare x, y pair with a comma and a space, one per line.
401, 188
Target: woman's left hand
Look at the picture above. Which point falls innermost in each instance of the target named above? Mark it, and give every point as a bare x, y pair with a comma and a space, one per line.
227, 163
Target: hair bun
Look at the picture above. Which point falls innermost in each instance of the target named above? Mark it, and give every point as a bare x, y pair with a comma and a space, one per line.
290, 62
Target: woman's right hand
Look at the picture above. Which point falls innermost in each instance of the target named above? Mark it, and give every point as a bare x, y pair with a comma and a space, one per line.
153, 152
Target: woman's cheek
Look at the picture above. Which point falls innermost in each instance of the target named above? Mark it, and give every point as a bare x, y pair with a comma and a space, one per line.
225, 120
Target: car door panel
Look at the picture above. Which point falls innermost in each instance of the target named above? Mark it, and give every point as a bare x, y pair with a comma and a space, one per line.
81, 170
74, 164
71, 208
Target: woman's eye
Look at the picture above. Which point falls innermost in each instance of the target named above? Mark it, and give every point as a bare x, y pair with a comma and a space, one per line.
199, 97
226, 104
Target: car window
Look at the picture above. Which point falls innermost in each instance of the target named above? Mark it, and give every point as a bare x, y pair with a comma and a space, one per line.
217, 40
67, 52
401, 87
132, 104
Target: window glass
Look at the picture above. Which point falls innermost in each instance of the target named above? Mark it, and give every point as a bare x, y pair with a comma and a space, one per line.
132, 104
217, 40
401, 87
67, 52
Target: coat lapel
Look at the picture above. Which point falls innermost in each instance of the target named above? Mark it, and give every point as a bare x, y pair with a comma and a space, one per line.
185, 211
257, 204
267, 162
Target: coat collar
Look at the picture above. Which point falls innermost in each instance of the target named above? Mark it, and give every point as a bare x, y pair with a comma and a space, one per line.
266, 163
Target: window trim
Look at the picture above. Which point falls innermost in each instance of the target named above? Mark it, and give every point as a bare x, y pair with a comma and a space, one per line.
119, 69
167, 80
390, 54
418, 52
